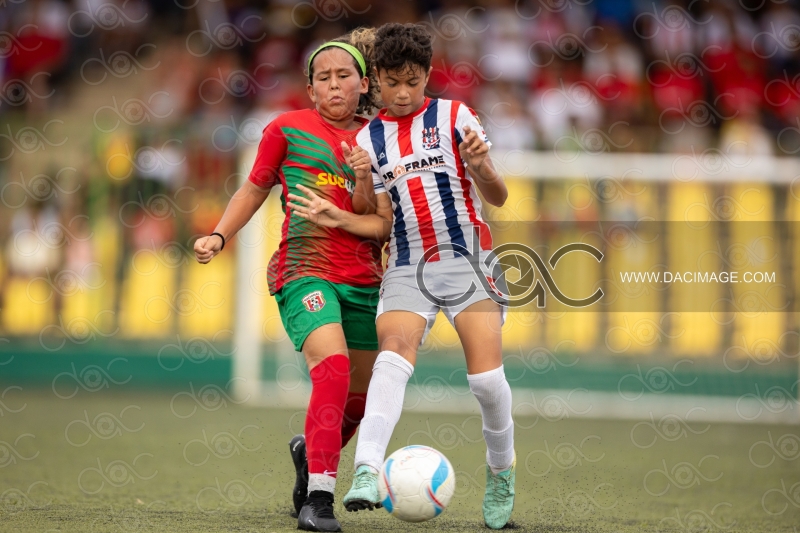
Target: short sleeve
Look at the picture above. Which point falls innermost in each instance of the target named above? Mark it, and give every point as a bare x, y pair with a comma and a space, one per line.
363, 140
466, 116
271, 153
377, 182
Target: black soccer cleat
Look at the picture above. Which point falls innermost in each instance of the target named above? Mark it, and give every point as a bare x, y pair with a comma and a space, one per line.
317, 513
297, 447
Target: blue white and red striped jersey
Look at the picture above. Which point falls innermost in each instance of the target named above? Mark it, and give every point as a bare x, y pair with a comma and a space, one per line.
415, 160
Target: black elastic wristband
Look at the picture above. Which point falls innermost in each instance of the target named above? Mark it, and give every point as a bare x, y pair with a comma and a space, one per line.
221, 237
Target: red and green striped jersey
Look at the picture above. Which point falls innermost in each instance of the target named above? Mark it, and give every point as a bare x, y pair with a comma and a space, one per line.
300, 147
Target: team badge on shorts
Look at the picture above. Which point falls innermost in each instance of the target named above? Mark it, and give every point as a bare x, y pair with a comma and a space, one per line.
430, 138
314, 301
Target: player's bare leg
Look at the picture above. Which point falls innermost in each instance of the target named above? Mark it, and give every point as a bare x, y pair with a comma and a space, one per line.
478, 327
361, 363
399, 335
400, 332
323, 342
479, 330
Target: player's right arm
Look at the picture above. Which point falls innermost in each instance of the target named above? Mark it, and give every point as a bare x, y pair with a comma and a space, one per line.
358, 159
368, 182
243, 205
376, 226
248, 199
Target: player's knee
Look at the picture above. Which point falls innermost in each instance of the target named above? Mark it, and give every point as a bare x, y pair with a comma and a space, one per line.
405, 345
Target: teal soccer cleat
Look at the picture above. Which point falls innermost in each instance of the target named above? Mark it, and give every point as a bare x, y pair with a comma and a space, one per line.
498, 501
364, 492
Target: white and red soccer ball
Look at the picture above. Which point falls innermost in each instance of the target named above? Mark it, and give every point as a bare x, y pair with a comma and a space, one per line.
416, 483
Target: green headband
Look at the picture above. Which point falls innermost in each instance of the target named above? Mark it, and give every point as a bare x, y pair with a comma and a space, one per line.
350, 49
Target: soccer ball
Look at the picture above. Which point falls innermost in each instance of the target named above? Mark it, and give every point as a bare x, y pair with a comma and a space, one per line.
416, 483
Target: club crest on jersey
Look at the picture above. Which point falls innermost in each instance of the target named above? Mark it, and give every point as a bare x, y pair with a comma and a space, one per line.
430, 138
314, 301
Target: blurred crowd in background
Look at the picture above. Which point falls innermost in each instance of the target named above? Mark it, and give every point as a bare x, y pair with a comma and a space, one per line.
124, 120
537, 70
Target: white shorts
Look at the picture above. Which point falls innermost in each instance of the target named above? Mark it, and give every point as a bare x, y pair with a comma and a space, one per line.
445, 287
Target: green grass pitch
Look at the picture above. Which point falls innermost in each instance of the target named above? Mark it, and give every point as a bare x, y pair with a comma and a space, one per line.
147, 462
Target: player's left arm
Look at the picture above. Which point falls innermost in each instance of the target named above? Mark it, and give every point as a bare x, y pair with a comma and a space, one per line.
474, 150
320, 211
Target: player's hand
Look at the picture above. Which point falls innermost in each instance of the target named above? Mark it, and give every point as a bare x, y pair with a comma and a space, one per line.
358, 159
205, 248
472, 149
318, 210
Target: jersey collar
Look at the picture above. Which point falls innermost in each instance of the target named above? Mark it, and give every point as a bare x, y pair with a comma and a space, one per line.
382, 114
360, 120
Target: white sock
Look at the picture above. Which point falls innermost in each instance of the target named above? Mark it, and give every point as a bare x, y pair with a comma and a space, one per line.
385, 394
321, 482
494, 395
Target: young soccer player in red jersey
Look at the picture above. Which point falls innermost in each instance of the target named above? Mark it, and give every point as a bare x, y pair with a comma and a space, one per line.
324, 279
426, 157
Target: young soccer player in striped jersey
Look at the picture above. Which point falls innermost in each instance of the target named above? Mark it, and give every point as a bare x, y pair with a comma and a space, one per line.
325, 280
426, 157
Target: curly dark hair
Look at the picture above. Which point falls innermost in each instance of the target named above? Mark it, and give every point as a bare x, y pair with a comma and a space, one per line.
364, 40
399, 47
